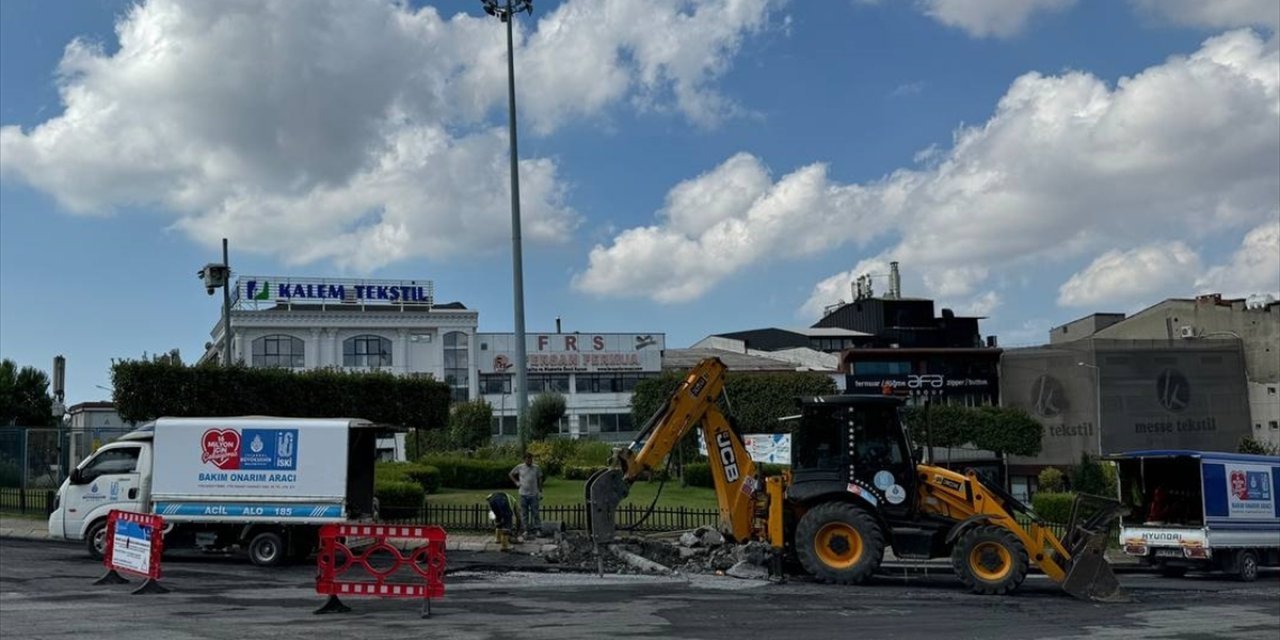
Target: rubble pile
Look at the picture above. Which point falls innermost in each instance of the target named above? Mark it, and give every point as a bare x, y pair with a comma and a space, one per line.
703, 551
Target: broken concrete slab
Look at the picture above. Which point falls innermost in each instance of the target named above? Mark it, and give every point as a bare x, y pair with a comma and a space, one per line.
747, 570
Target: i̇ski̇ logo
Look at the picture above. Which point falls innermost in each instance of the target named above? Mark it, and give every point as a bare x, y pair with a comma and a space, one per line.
221, 448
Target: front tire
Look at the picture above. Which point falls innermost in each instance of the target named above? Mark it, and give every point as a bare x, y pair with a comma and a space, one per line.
990, 560
267, 549
95, 539
839, 543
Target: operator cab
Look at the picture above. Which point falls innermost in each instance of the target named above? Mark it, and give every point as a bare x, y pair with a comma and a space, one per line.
853, 443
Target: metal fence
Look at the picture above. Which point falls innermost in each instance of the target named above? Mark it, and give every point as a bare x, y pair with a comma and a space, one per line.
475, 517
41, 457
34, 502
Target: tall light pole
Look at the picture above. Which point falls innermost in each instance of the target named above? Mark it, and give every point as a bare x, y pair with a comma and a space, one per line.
1097, 400
505, 11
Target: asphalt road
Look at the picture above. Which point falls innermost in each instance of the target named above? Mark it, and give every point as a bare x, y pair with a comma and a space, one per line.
46, 591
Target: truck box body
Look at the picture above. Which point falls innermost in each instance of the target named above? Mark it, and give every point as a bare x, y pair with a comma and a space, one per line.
1200, 509
251, 470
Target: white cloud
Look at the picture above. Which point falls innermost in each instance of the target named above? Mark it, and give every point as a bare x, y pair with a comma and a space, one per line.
1215, 14
1253, 269
354, 131
1066, 166
723, 221
990, 18
1123, 277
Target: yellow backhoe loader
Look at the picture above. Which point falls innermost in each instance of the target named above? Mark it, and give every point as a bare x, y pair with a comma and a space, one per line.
855, 488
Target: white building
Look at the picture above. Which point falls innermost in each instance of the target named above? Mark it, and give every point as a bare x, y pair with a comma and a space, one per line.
595, 372
91, 425
396, 326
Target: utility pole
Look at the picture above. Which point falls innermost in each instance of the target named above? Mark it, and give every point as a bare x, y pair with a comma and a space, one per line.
506, 13
226, 306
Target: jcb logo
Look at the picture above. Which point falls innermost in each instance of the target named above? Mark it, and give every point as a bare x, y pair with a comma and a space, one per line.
727, 456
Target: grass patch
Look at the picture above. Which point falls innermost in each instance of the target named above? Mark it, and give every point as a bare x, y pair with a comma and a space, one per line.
17, 515
558, 492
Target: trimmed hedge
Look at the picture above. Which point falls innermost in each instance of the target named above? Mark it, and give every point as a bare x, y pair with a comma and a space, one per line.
1053, 506
470, 473
398, 499
757, 400
425, 476
148, 390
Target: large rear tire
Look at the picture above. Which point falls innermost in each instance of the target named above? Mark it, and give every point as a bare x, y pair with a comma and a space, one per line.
990, 560
839, 543
1247, 565
267, 549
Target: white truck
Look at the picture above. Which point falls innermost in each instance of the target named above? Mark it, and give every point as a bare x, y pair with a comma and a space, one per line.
1200, 510
263, 484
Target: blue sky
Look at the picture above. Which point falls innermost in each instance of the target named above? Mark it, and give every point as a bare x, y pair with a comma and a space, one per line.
687, 168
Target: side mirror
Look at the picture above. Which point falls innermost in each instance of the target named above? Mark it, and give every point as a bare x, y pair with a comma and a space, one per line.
76, 477
918, 454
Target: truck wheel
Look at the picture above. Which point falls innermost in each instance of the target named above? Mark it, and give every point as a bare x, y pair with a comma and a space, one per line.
990, 560
266, 549
839, 543
1247, 565
95, 539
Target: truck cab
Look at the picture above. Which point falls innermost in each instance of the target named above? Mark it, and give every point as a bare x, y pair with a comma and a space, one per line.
116, 476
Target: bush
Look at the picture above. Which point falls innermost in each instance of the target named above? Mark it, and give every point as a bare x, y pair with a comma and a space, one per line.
471, 424
425, 476
1053, 506
1091, 476
422, 442
470, 473
577, 472
398, 499
1052, 480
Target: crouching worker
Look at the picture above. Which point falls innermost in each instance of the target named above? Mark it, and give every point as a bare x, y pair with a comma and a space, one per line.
506, 519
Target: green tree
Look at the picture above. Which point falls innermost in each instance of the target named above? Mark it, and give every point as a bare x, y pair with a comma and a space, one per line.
471, 424
1249, 444
755, 401
1090, 477
24, 396
543, 417
1000, 429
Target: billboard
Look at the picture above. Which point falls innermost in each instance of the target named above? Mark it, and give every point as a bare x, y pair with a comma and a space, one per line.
1154, 395
574, 352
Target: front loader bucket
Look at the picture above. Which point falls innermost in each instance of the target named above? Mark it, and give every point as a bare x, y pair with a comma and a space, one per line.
604, 490
1089, 575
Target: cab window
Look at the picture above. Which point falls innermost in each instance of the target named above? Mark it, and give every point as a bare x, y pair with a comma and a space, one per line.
111, 461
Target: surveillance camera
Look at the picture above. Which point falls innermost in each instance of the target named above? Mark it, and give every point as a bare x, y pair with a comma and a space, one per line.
209, 290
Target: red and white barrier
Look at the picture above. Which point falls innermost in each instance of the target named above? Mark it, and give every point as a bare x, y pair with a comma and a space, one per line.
135, 542
419, 573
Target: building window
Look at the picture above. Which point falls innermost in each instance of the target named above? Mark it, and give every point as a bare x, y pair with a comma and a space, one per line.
606, 422
549, 383
609, 383
456, 363
881, 368
1274, 425
504, 425
278, 351
495, 383
366, 351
